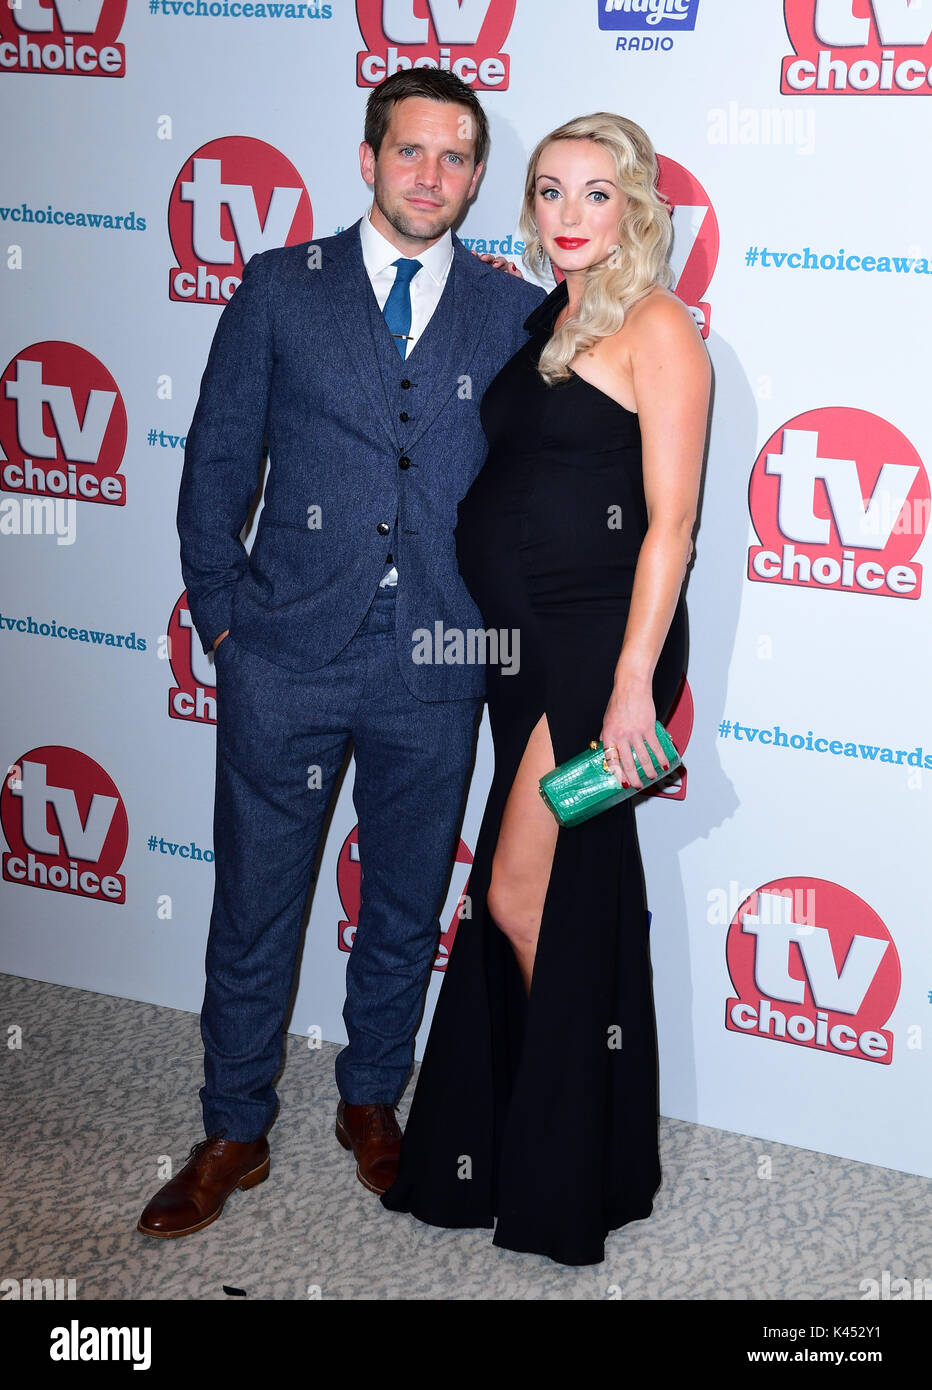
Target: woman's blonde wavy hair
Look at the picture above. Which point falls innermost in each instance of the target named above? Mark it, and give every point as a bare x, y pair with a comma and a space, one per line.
645, 235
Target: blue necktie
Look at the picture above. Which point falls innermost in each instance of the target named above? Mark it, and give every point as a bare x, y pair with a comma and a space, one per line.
397, 309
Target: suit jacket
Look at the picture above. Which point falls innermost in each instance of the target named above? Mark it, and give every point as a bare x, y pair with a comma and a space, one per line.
368, 454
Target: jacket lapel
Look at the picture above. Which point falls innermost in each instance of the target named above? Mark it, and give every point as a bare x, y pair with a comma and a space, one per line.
348, 288
451, 337
448, 343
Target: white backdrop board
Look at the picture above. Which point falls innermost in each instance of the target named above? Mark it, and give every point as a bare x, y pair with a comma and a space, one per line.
786, 868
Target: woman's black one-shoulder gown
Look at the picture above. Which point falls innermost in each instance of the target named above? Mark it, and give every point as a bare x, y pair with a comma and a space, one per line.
538, 1115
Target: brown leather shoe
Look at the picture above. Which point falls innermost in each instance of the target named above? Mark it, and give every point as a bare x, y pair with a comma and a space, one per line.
195, 1195
372, 1132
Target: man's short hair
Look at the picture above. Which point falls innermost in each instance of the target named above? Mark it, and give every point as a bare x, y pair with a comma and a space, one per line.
435, 84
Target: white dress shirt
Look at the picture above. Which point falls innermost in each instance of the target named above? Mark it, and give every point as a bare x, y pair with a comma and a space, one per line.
379, 256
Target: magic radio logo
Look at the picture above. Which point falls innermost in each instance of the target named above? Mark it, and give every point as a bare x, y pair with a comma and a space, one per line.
465, 36
695, 237
649, 16
812, 964
66, 826
840, 500
858, 47
193, 696
62, 425
62, 38
234, 197
349, 886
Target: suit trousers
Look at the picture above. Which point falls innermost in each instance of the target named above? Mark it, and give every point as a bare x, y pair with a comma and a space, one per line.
281, 741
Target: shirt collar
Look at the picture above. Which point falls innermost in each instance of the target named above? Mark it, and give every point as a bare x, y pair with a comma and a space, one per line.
378, 253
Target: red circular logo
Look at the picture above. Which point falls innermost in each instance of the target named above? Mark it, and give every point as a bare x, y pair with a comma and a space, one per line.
861, 47
63, 38
679, 726
695, 237
840, 500
465, 37
62, 425
65, 823
813, 964
193, 696
349, 886
234, 197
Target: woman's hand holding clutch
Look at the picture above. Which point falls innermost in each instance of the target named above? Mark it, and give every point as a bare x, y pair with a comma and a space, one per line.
628, 729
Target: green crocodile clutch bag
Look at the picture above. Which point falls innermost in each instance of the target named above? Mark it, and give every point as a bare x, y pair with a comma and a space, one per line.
580, 788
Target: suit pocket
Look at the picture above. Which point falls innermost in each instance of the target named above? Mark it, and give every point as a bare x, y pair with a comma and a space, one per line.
283, 563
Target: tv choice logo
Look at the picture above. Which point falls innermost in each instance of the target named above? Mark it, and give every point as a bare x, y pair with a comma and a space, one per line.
349, 887
65, 823
234, 197
649, 15
679, 726
695, 237
193, 697
858, 48
62, 425
694, 253
464, 36
840, 500
62, 38
812, 964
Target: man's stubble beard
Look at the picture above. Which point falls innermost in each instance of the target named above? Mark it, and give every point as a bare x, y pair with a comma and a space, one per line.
404, 224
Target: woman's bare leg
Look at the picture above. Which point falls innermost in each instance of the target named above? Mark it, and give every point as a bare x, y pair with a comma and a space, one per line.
524, 853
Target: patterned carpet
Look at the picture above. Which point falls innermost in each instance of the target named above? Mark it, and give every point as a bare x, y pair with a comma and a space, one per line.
101, 1089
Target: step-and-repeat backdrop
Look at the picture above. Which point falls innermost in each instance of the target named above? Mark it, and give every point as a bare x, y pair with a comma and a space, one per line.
151, 148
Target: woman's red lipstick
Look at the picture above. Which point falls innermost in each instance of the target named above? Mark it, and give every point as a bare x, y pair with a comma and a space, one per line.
570, 243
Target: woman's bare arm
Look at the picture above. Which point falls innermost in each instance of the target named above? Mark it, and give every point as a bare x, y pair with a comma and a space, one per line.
669, 369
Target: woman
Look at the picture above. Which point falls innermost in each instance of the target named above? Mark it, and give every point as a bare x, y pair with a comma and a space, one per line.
537, 1097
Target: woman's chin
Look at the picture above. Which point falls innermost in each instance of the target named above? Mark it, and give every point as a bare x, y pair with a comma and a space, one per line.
569, 261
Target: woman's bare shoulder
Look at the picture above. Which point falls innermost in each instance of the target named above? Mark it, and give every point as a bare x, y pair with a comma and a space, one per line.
660, 311
658, 322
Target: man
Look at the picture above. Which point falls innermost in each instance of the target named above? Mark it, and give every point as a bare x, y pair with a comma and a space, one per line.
361, 361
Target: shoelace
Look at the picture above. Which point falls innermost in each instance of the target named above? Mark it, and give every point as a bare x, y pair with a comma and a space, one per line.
197, 1149
380, 1120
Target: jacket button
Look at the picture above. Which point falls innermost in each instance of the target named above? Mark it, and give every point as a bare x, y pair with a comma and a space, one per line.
383, 528
404, 461
405, 384
403, 417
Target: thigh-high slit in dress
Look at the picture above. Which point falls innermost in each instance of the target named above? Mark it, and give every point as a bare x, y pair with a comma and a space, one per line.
537, 1114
